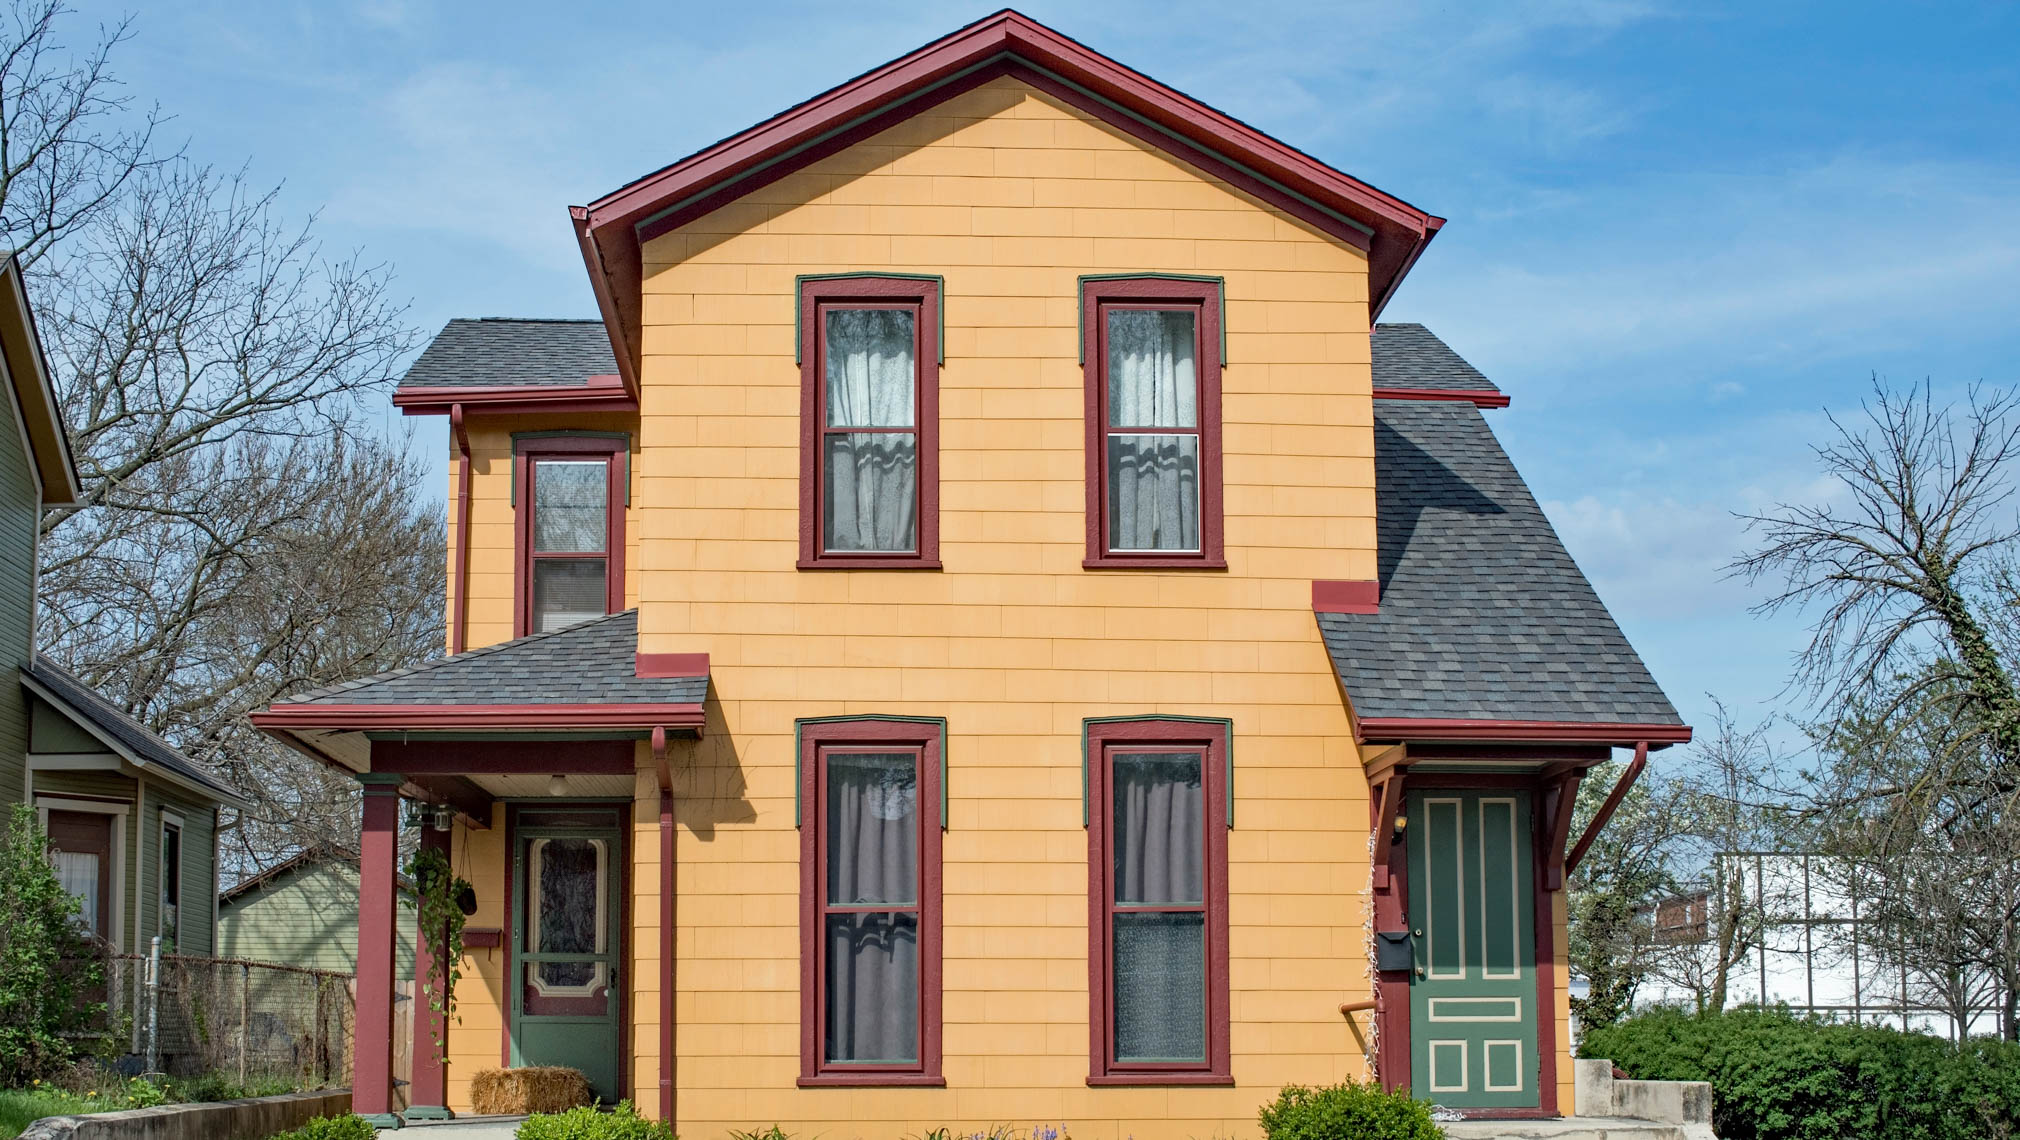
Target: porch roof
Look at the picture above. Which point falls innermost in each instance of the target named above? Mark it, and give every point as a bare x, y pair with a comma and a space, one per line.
585, 676
126, 737
1483, 616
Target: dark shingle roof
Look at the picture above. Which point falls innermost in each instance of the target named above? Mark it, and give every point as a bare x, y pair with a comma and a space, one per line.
1412, 356
1484, 616
499, 351
130, 734
594, 663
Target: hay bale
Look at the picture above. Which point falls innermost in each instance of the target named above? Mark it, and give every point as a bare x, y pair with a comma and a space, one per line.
519, 1092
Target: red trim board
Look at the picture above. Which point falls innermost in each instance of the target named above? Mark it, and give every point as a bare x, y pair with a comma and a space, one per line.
670, 665
600, 394
1479, 398
1346, 597
1563, 732
358, 718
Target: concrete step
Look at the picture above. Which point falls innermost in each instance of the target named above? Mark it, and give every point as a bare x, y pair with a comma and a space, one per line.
1565, 1128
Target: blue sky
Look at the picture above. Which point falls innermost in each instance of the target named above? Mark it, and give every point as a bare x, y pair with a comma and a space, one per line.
1677, 234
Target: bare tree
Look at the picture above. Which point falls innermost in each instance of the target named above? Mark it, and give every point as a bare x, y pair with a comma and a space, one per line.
70, 141
240, 535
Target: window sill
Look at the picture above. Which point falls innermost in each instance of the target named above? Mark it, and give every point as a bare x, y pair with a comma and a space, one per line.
1114, 1080
868, 564
873, 1080
1154, 562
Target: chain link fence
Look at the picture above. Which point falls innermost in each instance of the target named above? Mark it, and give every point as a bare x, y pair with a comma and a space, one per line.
248, 1021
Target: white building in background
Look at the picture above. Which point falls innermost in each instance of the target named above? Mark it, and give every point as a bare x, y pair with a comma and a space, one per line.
1817, 953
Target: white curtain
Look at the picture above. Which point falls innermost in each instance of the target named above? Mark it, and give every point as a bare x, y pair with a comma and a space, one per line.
872, 477
873, 860
78, 872
1159, 956
1153, 478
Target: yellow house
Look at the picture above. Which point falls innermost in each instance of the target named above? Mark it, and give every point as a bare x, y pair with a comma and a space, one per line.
986, 627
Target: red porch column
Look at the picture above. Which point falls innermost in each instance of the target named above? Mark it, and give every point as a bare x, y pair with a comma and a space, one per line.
372, 1065
430, 1099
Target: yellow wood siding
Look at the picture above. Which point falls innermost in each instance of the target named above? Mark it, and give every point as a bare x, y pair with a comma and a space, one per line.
1010, 196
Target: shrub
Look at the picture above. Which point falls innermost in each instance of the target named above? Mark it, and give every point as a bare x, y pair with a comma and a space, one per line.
1347, 1112
621, 1123
1777, 1076
46, 960
332, 1128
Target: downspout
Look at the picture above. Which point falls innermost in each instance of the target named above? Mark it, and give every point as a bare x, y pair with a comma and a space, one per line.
666, 931
461, 585
1606, 809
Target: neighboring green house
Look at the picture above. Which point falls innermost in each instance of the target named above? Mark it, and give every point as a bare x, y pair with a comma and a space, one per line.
133, 821
304, 912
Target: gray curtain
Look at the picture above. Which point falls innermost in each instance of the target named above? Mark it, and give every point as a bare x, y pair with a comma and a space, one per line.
1153, 478
1160, 861
872, 477
873, 860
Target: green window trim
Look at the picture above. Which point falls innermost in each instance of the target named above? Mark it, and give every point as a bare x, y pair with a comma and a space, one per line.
799, 749
1226, 724
1080, 288
799, 303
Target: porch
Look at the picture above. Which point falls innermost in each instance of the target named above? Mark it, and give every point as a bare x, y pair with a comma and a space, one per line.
534, 767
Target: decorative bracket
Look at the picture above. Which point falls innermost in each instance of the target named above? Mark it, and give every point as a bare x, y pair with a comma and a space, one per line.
1607, 809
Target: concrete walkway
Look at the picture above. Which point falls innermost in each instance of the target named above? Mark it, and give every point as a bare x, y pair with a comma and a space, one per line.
464, 1128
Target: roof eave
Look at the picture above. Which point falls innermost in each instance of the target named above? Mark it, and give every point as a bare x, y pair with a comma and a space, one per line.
34, 391
530, 717
1462, 730
77, 716
599, 394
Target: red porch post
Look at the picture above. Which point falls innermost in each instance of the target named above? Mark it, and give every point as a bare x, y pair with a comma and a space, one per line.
430, 1096
372, 1066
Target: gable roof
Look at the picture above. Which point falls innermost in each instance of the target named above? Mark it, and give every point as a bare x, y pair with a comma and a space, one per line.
1484, 616
505, 351
34, 393
613, 228
132, 741
583, 676
305, 860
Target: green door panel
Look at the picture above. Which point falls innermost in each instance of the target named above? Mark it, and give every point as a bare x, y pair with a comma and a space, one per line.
1472, 914
566, 990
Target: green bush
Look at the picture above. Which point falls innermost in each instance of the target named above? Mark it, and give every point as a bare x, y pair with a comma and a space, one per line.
332, 1128
621, 1123
1347, 1112
1776, 1076
46, 962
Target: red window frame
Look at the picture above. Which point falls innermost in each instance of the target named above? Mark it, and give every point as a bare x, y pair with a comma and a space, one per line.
1104, 739
921, 296
615, 451
817, 741
1098, 297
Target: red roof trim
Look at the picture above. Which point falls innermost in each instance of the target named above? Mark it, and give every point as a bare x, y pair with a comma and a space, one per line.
358, 718
670, 664
1348, 597
599, 394
1478, 397
609, 228
1551, 731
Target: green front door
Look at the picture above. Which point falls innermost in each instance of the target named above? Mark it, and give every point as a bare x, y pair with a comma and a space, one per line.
566, 993
1472, 915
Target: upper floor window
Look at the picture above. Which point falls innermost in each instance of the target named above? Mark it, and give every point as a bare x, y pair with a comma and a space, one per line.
870, 901
870, 411
1151, 348
571, 491
1157, 893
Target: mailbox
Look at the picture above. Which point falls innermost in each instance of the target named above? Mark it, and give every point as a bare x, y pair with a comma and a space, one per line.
1392, 950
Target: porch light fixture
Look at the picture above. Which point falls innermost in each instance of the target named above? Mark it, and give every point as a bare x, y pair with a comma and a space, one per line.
557, 785
439, 817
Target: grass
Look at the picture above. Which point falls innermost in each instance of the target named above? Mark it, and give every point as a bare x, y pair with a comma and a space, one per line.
21, 1107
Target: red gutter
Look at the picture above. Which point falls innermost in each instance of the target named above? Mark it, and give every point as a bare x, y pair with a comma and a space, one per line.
461, 571
359, 718
666, 927
1606, 809
1479, 398
1539, 731
597, 394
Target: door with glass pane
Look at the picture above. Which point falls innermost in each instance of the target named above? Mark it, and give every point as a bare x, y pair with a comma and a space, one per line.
566, 993
82, 843
1472, 914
